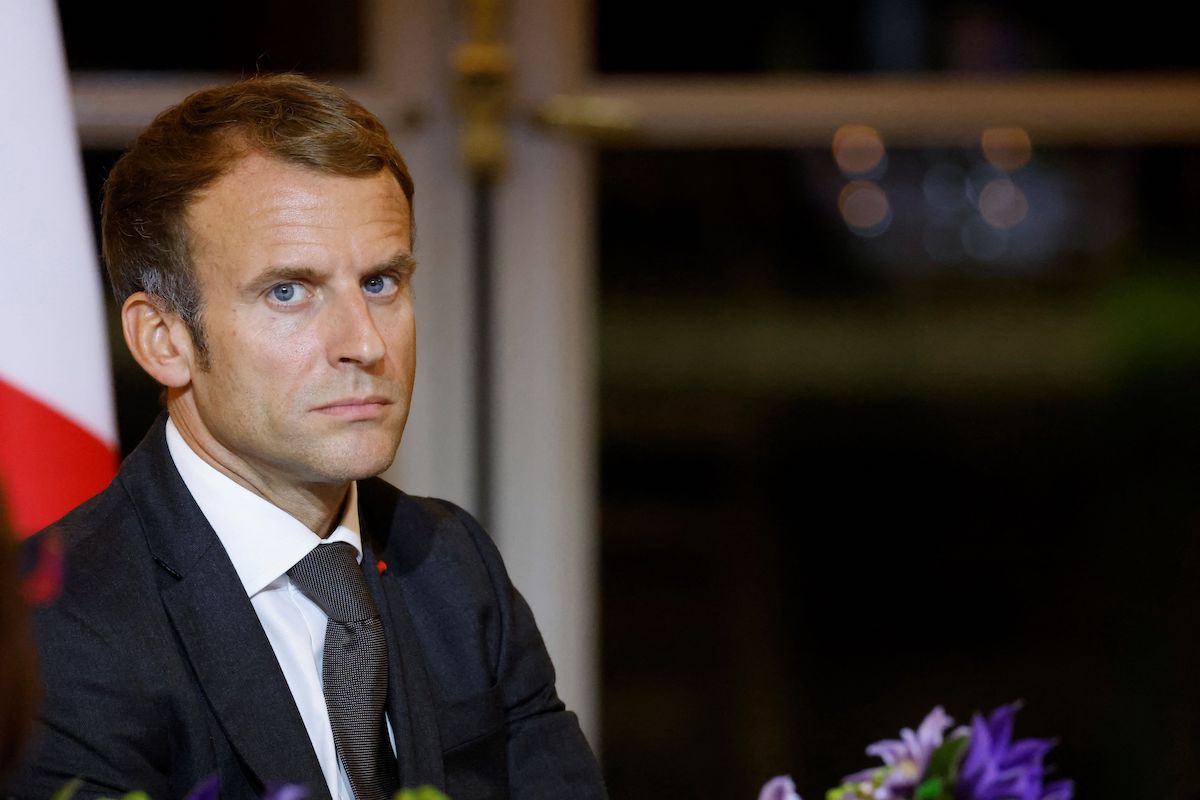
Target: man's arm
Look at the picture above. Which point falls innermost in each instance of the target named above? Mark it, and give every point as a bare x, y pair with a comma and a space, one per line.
548, 756
96, 724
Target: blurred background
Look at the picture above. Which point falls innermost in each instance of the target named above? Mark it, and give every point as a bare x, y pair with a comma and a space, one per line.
844, 359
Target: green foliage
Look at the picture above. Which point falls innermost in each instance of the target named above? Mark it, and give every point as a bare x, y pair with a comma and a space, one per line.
420, 793
854, 791
942, 772
69, 789
932, 789
847, 791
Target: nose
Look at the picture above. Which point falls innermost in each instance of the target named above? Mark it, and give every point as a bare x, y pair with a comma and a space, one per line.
353, 336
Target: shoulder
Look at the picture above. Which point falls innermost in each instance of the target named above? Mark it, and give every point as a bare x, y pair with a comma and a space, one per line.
98, 515
106, 534
102, 628
95, 542
449, 573
105, 571
426, 533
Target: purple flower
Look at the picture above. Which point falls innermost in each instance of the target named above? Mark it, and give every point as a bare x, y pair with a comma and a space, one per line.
780, 788
286, 791
209, 789
997, 768
907, 757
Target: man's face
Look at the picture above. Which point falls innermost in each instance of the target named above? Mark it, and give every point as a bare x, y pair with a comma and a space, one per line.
307, 310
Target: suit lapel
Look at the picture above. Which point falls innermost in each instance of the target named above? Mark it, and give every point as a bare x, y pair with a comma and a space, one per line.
240, 676
410, 703
221, 634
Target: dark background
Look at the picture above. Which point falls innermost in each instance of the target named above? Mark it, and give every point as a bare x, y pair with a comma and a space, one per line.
844, 480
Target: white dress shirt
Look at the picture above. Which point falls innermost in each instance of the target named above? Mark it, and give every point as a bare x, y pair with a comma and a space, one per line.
263, 542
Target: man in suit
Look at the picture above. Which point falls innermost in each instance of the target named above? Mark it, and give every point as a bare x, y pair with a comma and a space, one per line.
245, 600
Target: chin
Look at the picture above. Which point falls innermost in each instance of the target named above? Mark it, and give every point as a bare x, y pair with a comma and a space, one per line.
359, 463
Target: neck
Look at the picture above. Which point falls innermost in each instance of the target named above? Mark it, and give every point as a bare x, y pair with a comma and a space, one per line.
318, 506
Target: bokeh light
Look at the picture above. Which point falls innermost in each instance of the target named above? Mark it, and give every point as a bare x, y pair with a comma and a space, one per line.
1008, 149
858, 150
1002, 204
865, 208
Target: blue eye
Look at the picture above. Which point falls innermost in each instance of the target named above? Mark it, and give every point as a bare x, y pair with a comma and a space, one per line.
286, 292
379, 284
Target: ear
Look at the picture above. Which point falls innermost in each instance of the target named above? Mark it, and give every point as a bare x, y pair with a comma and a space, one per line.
159, 340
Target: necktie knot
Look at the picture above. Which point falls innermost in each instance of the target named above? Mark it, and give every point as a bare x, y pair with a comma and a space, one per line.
332, 579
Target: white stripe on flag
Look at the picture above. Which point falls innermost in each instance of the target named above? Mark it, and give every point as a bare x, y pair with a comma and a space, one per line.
52, 339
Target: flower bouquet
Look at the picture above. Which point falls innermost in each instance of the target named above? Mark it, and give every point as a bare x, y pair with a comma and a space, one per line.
982, 762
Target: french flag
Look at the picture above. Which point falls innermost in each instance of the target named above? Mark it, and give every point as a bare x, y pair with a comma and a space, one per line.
58, 443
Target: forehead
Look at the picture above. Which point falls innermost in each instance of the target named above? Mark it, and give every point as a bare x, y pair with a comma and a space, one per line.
263, 200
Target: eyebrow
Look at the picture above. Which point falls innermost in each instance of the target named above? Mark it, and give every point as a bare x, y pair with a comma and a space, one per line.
403, 263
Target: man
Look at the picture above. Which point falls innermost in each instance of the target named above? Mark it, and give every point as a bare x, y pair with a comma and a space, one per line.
246, 600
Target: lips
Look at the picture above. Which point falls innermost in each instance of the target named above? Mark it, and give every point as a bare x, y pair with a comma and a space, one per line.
356, 407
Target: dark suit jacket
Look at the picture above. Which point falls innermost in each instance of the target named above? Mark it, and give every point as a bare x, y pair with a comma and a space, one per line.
157, 672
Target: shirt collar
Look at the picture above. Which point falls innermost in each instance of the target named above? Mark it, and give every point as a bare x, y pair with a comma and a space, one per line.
263, 540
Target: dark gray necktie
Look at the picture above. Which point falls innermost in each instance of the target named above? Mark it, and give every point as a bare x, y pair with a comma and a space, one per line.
355, 667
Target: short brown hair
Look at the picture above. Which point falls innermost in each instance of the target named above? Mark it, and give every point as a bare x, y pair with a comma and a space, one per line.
189, 146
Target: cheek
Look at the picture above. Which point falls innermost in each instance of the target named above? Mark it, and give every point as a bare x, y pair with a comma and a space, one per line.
396, 326
292, 359
403, 355
409, 337
404, 335
270, 365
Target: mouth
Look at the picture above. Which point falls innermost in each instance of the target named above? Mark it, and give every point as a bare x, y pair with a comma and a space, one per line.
356, 407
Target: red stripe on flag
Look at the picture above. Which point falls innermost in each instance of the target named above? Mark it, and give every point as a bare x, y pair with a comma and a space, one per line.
48, 464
